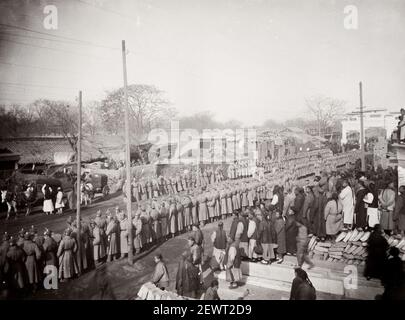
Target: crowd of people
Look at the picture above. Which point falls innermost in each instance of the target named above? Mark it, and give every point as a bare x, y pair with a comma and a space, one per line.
272, 217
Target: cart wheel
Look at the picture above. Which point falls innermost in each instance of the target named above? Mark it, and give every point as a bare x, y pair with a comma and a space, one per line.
106, 191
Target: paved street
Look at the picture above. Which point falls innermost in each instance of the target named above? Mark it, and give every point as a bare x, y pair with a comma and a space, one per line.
56, 223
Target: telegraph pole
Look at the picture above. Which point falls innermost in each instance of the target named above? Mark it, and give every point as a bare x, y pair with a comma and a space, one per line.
127, 158
363, 157
79, 160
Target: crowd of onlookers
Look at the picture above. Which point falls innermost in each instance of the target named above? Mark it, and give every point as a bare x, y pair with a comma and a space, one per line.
272, 216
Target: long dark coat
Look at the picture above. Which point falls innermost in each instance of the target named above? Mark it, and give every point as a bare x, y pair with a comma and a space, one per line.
187, 279
291, 232
399, 213
18, 275
33, 254
377, 247
360, 209
319, 218
279, 226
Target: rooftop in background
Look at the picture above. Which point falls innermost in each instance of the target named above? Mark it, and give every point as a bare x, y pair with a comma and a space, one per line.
41, 149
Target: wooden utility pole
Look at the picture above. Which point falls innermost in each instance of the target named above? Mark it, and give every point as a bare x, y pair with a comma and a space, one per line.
127, 158
363, 157
79, 161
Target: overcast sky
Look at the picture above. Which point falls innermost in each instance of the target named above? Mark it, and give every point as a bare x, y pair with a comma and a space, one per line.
246, 60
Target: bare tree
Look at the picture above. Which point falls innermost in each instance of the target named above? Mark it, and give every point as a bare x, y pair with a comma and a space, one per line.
148, 109
92, 120
325, 111
58, 117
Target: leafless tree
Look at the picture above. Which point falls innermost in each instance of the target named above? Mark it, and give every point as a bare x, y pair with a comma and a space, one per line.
58, 117
148, 109
325, 111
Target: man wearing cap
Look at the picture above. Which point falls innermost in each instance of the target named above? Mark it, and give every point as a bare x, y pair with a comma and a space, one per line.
156, 226
113, 236
99, 243
219, 241
163, 216
3, 256
123, 227
241, 234
180, 215
33, 255
172, 218
15, 258
50, 249
137, 231
68, 267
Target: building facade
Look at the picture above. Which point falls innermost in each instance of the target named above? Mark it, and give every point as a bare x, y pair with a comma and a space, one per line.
372, 118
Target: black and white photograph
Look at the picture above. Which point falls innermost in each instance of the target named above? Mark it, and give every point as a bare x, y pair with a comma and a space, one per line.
217, 152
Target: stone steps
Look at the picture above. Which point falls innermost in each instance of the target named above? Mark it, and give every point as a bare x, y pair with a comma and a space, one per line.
325, 280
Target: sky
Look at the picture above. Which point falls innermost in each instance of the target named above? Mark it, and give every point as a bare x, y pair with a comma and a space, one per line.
248, 60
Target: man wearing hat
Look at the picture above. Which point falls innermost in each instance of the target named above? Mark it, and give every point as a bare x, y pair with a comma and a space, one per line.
123, 227
68, 267
241, 234
138, 228
219, 241
50, 249
33, 254
17, 271
3, 256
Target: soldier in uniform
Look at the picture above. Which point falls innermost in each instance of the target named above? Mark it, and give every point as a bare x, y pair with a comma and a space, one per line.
224, 203
194, 208
3, 257
67, 257
180, 215
172, 218
123, 226
155, 188
33, 255
99, 243
149, 188
245, 202
137, 230
135, 190
146, 234
163, 216
202, 208
15, 257
217, 196
211, 206
229, 204
156, 227
188, 219
174, 185
113, 236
